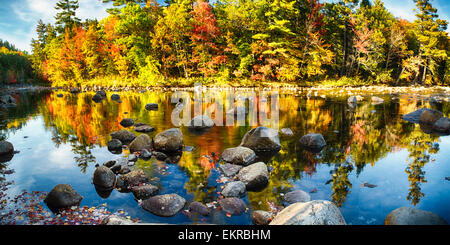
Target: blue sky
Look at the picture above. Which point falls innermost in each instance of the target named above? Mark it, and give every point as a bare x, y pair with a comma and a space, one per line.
18, 18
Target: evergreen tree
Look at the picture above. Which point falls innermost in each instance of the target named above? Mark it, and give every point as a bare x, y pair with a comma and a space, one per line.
65, 18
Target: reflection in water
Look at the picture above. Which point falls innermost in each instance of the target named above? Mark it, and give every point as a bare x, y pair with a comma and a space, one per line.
356, 138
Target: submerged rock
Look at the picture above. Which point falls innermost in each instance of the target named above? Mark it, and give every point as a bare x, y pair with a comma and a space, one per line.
164, 205
313, 142
412, 216
143, 141
201, 122
124, 136
234, 189
239, 155
296, 196
127, 122
318, 212
62, 196
104, 177
261, 139
170, 140
199, 208
254, 176
260, 217
232, 205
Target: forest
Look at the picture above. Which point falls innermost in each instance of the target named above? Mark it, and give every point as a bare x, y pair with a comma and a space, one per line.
238, 42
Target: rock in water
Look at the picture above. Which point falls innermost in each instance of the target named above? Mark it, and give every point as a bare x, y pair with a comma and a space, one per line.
232, 205
62, 196
199, 208
296, 196
442, 125
97, 98
254, 176
261, 139
124, 136
317, 212
377, 100
143, 128
239, 155
260, 217
313, 142
430, 116
144, 192
141, 142
117, 220
104, 177
109, 163
234, 189
151, 106
412, 216
287, 131
201, 122
229, 170
115, 97
134, 178
414, 116
127, 122
164, 205
6, 147
115, 146
170, 140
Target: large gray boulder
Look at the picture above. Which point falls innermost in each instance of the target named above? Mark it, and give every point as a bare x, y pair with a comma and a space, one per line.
104, 177
170, 140
239, 155
143, 141
261, 139
317, 212
201, 122
412, 216
6, 147
124, 136
254, 176
62, 196
234, 189
313, 142
164, 205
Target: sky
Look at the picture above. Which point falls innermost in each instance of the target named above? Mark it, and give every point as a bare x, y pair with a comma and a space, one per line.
18, 18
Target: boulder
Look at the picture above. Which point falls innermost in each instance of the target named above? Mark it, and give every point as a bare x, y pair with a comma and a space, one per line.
414, 116
412, 216
286, 131
170, 140
115, 97
429, 117
232, 205
313, 142
124, 136
260, 217
239, 155
104, 177
201, 122
199, 208
317, 212
117, 220
261, 139
134, 178
127, 122
234, 189
296, 196
254, 176
229, 170
442, 125
164, 205
62, 196
59, 95
143, 128
6, 147
143, 141
97, 98
151, 106
144, 192
115, 146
